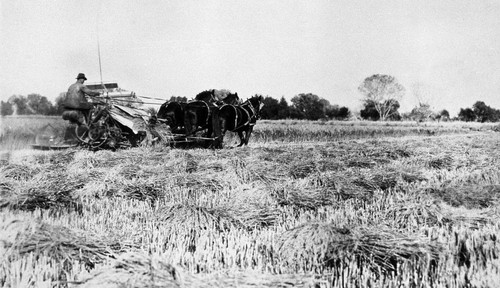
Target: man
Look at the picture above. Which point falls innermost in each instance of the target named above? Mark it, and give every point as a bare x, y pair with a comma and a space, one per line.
76, 106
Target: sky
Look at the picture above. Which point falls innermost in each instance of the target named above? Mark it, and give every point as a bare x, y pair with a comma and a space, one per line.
445, 53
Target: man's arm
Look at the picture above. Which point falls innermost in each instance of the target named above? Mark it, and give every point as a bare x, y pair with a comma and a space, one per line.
90, 92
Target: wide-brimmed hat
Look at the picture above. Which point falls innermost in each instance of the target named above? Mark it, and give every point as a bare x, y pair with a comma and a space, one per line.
81, 76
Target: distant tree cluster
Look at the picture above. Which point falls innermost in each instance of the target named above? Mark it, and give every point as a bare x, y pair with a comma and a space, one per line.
479, 112
30, 105
382, 95
423, 112
303, 106
306, 106
274, 109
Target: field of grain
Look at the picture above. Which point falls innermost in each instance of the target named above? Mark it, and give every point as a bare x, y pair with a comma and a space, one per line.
306, 204
19, 132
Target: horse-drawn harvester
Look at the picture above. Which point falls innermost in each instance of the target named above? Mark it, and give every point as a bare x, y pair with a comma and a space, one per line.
201, 122
115, 121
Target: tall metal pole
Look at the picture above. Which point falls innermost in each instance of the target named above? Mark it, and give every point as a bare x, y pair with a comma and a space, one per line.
100, 66
99, 48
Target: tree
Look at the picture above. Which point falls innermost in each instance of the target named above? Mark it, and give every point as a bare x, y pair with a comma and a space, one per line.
308, 106
495, 116
59, 103
39, 104
443, 115
338, 113
369, 111
481, 110
421, 113
466, 115
485, 113
271, 108
6, 108
284, 109
382, 91
19, 105
343, 113
326, 105
331, 111
394, 113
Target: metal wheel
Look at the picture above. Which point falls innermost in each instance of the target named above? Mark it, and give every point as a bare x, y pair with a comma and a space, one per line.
98, 134
81, 133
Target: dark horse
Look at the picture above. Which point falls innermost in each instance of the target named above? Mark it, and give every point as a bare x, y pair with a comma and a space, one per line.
200, 116
240, 118
172, 113
200, 113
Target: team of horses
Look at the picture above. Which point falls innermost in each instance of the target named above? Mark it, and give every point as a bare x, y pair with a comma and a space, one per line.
212, 117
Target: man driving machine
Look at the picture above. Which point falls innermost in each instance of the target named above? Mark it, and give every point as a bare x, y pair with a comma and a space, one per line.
76, 106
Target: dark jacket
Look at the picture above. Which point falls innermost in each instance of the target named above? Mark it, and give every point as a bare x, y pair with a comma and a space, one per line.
75, 98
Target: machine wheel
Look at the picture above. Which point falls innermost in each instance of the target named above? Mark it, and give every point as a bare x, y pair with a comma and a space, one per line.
95, 135
98, 134
81, 133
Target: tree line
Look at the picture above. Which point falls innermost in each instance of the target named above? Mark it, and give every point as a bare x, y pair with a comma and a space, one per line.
303, 106
33, 104
381, 97
479, 112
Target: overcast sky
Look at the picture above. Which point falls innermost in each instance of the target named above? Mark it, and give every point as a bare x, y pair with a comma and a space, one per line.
449, 50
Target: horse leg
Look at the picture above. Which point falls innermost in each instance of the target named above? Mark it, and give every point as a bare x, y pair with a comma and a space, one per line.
242, 138
223, 128
189, 120
248, 132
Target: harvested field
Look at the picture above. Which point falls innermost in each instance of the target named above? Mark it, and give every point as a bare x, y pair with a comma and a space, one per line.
298, 207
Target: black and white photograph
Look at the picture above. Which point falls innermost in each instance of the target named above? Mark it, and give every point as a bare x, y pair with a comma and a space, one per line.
217, 143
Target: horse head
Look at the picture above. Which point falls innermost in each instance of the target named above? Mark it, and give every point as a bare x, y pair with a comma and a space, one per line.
232, 99
208, 96
257, 102
171, 113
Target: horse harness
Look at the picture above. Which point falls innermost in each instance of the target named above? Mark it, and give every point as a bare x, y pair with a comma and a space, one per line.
250, 113
207, 119
252, 110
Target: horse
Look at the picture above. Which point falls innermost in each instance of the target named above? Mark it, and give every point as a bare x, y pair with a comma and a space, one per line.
240, 118
207, 96
230, 98
172, 113
198, 113
196, 116
200, 116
